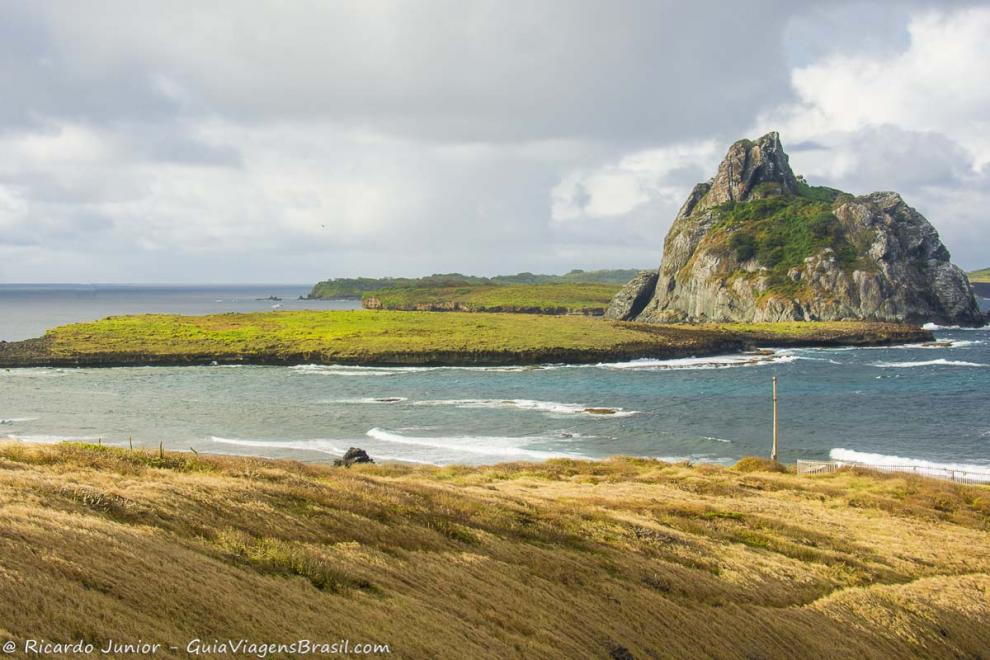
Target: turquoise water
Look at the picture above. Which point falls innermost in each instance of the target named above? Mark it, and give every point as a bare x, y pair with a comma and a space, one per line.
912, 402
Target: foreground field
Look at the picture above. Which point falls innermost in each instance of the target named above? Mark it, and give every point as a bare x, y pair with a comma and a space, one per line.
577, 298
561, 559
413, 338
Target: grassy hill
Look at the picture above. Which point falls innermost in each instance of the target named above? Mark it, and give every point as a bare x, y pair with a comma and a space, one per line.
555, 298
981, 276
373, 337
621, 558
346, 287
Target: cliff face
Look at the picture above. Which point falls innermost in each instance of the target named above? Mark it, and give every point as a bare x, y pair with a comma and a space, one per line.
756, 243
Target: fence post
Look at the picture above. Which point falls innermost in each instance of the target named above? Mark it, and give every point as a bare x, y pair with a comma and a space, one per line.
773, 452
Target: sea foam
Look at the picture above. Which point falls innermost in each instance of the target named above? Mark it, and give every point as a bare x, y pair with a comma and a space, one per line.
550, 407
493, 446
973, 472
712, 362
934, 326
42, 439
321, 445
940, 362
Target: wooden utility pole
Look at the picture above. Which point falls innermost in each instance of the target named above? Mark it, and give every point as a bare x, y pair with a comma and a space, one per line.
773, 453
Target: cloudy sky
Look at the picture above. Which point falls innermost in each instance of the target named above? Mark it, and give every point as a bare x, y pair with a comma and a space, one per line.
292, 141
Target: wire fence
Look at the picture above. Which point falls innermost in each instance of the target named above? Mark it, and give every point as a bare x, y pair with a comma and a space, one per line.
949, 474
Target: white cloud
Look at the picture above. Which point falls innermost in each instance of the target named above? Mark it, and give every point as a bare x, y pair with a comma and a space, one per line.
939, 83
915, 120
616, 189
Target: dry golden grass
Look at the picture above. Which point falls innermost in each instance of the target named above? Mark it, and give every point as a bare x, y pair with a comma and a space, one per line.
561, 559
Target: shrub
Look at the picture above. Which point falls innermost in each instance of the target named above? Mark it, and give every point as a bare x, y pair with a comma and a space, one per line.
757, 464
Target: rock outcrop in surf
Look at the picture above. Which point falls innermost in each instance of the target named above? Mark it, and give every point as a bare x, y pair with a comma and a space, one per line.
757, 243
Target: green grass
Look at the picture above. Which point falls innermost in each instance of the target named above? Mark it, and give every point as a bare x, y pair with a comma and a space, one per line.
382, 337
782, 231
980, 276
345, 287
362, 337
779, 232
559, 298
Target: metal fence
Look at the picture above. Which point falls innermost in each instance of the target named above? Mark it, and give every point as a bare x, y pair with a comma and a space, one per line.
964, 476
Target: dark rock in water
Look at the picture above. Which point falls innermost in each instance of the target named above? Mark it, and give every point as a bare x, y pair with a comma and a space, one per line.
633, 297
352, 456
756, 243
600, 411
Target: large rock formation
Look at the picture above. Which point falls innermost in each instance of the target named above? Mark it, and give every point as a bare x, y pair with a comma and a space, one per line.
756, 243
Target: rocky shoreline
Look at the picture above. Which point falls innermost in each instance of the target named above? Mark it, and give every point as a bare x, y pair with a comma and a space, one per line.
693, 341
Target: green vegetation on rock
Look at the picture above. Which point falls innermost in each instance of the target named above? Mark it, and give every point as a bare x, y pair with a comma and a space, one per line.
780, 232
558, 298
355, 287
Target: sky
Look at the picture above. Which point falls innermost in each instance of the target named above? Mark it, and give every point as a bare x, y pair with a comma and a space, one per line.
255, 141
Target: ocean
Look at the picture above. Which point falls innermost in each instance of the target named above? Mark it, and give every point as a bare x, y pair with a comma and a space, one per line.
889, 405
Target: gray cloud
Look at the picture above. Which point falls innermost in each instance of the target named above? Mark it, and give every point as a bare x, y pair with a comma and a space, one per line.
289, 142
444, 70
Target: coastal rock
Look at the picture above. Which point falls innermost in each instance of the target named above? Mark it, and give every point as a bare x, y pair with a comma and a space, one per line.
633, 297
756, 244
353, 455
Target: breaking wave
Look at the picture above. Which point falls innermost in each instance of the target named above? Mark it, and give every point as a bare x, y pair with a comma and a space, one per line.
319, 445
940, 362
551, 407
972, 471
342, 370
491, 446
934, 326
349, 370
712, 362
42, 439
14, 420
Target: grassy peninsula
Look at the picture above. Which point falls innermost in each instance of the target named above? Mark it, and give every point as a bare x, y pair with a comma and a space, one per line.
413, 338
356, 287
555, 298
558, 559
980, 276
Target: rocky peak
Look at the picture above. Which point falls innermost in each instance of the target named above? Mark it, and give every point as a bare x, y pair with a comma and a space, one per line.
810, 253
749, 170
